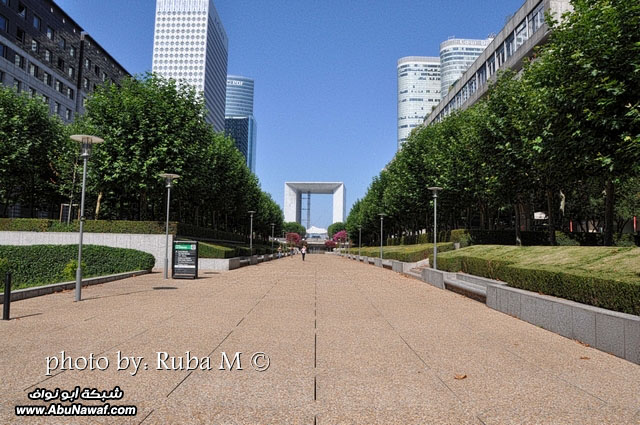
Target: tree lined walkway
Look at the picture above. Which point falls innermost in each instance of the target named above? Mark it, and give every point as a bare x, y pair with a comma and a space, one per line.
347, 343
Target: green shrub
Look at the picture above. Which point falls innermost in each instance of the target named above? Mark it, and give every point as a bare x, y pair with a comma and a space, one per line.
461, 236
563, 239
4, 268
90, 226
34, 265
69, 271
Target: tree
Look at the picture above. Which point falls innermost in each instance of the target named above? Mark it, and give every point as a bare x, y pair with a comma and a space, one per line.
595, 55
335, 227
294, 227
31, 142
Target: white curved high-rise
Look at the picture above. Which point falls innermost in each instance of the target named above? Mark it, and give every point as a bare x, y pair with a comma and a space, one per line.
418, 92
456, 56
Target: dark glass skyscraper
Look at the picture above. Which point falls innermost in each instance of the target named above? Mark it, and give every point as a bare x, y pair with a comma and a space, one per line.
239, 104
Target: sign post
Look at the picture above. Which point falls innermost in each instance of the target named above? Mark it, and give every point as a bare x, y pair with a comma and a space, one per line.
185, 260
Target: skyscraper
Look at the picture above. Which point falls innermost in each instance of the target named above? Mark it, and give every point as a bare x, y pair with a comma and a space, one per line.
239, 107
456, 56
418, 92
191, 45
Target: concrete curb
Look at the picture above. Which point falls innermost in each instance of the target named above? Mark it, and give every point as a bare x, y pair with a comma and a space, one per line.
23, 294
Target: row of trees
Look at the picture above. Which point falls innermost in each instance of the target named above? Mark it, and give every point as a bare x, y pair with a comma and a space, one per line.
150, 125
562, 137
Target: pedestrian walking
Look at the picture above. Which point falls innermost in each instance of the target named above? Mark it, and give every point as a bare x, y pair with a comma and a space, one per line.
303, 251
279, 252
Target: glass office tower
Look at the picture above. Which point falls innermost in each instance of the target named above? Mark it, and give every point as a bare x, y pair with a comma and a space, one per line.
456, 56
239, 104
418, 92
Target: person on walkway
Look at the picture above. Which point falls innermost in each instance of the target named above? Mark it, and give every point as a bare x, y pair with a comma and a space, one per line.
279, 252
303, 251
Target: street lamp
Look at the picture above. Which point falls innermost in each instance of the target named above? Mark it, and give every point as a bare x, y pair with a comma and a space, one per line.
435, 190
251, 234
359, 240
169, 178
86, 141
272, 227
382, 215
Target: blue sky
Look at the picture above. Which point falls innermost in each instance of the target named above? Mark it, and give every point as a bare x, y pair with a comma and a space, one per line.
325, 74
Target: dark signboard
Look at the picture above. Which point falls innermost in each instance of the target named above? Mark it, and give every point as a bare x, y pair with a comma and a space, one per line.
185, 259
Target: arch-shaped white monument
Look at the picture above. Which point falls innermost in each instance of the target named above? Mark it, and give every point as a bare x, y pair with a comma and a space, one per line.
293, 198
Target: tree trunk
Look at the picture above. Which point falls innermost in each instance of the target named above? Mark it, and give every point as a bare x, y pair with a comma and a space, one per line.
552, 223
98, 205
609, 205
518, 234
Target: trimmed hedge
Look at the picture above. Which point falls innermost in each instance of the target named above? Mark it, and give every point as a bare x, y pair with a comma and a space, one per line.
611, 294
407, 253
35, 265
117, 226
206, 250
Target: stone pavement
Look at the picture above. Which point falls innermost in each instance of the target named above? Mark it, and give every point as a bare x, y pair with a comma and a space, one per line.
348, 344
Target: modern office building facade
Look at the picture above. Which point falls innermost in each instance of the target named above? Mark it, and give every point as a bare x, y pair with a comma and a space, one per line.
514, 43
239, 107
45, 53
238, 129
418, 92
190, 44
456, 56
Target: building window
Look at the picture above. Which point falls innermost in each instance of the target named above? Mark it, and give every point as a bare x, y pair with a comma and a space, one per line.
1, 77
60, 63
45, 99
70, 93
521, 34
96, 70
56, 108
33, 92
5, 2
62, 43
36, 22
3, 23
20, 34
87, 63
104, 76
35, 46
17, 84
19, 61
22, 10
509, 46
47, 55
68, 114
46, 78
3, 51
50, 33
71, 72
58, 86
72, 51
33, 70
85, 83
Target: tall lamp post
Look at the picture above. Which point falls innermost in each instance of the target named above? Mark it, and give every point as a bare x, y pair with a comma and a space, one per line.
251, 233
272, 227
359, 240
86, 141
435, 190
169, 178
382, 215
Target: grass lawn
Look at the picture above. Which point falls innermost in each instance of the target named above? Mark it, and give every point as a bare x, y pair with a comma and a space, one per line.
617, 263
408, 253
607, 277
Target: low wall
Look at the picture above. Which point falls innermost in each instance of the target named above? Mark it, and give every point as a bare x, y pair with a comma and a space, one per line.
153, 244
610, 331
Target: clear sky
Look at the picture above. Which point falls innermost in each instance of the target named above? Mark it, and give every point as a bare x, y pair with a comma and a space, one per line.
325, 74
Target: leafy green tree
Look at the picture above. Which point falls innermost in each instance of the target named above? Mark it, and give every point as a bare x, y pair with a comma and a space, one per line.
294, 227
335, 227
31, 141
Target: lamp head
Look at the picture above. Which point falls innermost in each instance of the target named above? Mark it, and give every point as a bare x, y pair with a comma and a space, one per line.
87, 141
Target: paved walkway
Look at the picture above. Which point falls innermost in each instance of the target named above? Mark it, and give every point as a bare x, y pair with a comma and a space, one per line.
348, 343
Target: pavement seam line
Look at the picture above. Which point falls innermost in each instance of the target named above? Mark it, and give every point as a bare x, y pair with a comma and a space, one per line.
225, 338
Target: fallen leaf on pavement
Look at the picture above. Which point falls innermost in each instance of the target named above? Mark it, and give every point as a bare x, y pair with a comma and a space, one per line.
460, 376
584, 358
